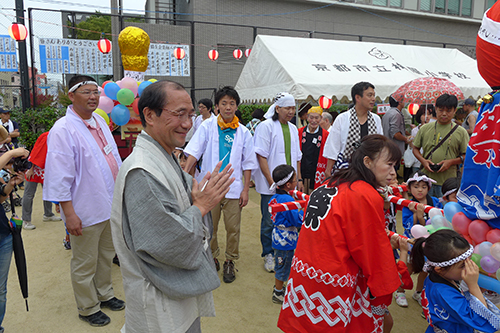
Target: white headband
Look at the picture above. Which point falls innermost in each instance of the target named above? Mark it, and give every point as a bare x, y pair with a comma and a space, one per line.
281, 182
282, 100
78, 85
428, 264
417, 178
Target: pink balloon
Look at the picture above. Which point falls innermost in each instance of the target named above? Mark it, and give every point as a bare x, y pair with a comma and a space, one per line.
493, 236
478, 230
418, 231
489, 264
130, 83
495, 251
106, 104
119, 83
461, 223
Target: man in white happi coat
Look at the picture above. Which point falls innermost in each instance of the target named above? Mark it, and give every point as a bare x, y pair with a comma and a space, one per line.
161, 223
80, 171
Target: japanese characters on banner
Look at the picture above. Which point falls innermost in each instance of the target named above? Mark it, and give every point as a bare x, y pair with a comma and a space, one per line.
80, 56
8, 55
383, 108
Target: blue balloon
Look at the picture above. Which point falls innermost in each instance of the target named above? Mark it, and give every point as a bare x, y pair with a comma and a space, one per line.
111, 89
142, 86
120, 114
451, 208
489, 283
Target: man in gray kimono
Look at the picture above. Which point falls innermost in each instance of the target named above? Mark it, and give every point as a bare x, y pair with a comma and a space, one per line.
160, 222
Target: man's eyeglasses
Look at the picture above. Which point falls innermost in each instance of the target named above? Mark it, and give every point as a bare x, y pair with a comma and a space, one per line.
88, 93
182, 115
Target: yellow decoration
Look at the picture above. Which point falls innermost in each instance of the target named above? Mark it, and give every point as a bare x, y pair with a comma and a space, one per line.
152, 80
316, 109
487, 98
134, 46
479, 101
102, 114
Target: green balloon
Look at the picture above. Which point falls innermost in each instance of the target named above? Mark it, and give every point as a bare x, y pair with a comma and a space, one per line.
125, 96
477, 259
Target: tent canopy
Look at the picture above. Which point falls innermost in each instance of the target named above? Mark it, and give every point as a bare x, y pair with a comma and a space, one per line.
310, 68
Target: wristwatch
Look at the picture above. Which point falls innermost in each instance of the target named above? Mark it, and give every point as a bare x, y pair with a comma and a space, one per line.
300, 180
2, 190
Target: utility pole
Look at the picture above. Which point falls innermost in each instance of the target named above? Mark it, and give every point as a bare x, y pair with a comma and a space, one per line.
23, 59
115, 31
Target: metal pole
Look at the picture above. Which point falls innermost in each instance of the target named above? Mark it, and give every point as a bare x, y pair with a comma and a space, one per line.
32, 53
23, 59
115, 30
191, 60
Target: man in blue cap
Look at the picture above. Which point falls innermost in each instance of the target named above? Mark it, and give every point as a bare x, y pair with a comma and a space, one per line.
469, 106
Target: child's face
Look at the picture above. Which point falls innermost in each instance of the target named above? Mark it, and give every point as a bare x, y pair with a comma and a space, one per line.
454, 273
419, 190
227, 108
292, 184
182, 161
394, 181
451, 197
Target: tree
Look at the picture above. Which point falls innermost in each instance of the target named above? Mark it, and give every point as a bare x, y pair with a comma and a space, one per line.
93, 27
42, 101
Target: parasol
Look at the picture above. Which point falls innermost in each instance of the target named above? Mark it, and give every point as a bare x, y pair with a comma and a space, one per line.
426, 90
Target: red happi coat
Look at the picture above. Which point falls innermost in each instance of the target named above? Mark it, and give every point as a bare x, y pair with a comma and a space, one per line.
343, 259
319, 175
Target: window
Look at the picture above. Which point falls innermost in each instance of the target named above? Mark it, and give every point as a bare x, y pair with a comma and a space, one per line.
490, 3
449, 7
425, 5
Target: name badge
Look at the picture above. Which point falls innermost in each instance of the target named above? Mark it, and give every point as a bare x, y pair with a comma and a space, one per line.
315, 140
108, 149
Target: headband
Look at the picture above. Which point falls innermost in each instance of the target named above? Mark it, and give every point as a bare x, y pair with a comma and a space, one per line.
428, 264
449, 192
282, 100
316, 109
78, 85
417, 178
281, 182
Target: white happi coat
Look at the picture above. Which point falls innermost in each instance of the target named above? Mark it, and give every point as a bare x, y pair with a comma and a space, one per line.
269, 143
337, 139
205, 142
76, 169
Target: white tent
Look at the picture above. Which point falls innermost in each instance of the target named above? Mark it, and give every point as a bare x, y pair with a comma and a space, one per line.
307, 67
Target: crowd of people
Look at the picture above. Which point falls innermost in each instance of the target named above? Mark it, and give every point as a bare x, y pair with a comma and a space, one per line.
188, 172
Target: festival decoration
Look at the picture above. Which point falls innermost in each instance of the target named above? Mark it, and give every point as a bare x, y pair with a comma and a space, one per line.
483, 249
130, 83
102, 114
493, 236
111, 89
125, 97
478, 230
450, 209
134, 47
104, 45
106, 104
18, 31
325, 102
120, 115
247, 52
413, 108
237, 54
418, 231
495, 251
460, 223
135, 106
179, 53
489, 264
213, 55
143, 86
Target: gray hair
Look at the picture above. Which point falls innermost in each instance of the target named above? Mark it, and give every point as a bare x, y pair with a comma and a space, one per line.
328, 117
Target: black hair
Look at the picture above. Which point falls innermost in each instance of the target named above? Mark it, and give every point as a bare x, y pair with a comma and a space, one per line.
281, 171
359, 89
450, 184
155, 97
447, 101
393, 103
79, 78
227, 91
208, 104
429, 108
442, 245
258, 114
304, 108
371, 146
275, 115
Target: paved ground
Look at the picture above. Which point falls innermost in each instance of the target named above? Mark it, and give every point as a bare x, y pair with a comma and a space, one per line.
242, 306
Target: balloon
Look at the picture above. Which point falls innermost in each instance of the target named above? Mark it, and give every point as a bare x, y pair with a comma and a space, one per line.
135, 106
152, 80
439, 221
428, 222
489, 283
105, 83
430, 228
101, 90
484, 248
493, 236
450, 209
461, 223
120, 115
495, 251
106, 104
435, 211
467, 237
111, 89
102, 114
418, 231
143, 86
477, 259
489, 264
130, 83
478, 230
125, 96
498, 274
119, 83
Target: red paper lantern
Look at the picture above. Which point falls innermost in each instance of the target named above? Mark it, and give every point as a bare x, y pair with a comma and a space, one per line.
179, 53
213, 55
18, 31
237, 54
247, 52
104, 45
413, 108
325, 102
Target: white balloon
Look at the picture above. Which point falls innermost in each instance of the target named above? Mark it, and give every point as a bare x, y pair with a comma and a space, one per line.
434, 212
